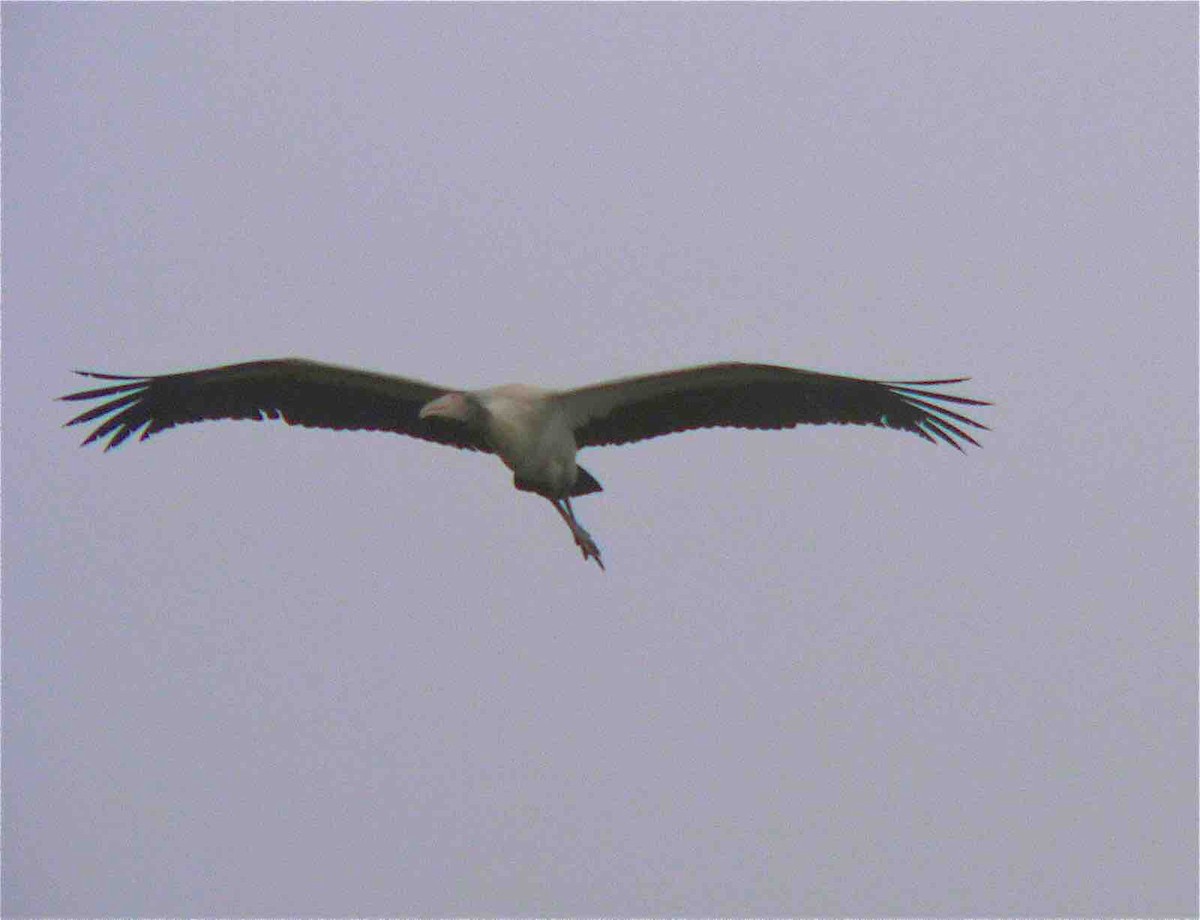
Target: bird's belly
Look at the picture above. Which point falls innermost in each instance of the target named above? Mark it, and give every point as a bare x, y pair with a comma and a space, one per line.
542, 462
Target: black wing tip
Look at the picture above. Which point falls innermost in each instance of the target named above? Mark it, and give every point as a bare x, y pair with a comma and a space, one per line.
930, 383
93, 438
100, 376
906, 386
126, 383
954, 436
940, 423
947, 431
116, 398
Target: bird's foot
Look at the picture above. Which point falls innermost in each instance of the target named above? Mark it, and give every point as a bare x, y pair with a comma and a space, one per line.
588, 547
583, 539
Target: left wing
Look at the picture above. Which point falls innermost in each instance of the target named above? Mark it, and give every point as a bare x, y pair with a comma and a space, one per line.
299, 391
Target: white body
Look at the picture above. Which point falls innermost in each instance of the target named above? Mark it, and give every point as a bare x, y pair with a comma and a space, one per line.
530, 433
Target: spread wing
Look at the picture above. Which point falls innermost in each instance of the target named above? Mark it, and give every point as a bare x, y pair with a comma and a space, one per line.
300, 392
760, 396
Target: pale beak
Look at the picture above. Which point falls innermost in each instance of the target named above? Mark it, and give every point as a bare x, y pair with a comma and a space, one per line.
451, 406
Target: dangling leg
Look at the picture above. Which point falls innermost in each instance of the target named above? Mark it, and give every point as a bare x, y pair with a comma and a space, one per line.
582, 538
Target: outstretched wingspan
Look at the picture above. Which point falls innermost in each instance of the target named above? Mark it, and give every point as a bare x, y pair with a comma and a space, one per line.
535, 432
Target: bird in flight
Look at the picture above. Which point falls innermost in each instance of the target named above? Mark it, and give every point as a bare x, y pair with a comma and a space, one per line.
535, 432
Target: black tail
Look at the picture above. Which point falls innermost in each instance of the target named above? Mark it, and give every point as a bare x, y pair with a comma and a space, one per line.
585, 483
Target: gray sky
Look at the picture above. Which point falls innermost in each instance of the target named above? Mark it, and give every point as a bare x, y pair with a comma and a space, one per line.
251, 669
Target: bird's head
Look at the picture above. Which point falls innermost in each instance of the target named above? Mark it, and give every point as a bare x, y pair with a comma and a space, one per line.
455, 407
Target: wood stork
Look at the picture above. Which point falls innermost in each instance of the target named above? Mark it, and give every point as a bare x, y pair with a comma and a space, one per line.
535, 432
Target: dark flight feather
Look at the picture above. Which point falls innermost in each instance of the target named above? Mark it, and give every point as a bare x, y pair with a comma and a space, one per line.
300, 392
762, 396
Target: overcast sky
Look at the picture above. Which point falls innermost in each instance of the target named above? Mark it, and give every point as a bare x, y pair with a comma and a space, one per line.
250, 669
